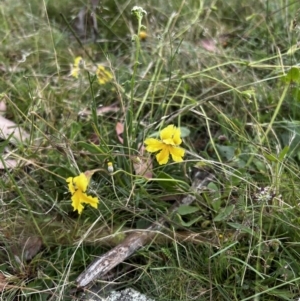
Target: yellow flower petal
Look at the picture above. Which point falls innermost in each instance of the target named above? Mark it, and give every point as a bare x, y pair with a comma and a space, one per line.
177, 153
163, 156
153, 145
171, 135
103, 75
70, 185
169, 141
87, 199
81, 182
80, 198
167, 132
76, 201
176, 136
75, 72
78, 60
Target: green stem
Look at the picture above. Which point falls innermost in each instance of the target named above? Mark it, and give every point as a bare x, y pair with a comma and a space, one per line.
136, 62
280, 102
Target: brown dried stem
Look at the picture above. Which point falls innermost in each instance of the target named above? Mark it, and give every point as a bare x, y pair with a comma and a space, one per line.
133, 242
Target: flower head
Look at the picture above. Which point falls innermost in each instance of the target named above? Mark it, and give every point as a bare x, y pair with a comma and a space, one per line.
78, 63
138, 12
103, 75
143, 35
78, 186
168, 144
110, 167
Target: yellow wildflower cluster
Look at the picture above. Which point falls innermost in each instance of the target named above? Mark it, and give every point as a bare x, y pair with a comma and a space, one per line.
78, 186
104, 76
167, 145
78, 63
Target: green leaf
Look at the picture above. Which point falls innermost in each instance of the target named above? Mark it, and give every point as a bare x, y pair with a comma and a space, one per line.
190, 223
237, 176
227, 152
224, 213
293, 75
186, 209
283, 153
213, 186
143, 223
4, 144
75, 129
215, 196
243, 228
92, 148
3, 267
280, 157
185, 132
271, 157
169, 183
261, 166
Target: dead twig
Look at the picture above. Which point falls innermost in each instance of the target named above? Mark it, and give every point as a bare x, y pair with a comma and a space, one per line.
132, 243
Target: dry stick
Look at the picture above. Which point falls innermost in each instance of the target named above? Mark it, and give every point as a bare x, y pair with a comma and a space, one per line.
132, 243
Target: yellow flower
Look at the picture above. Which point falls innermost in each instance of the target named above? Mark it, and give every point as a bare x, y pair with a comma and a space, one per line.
78, 62
110, 167
103, 75
170, 140
78, 186
143, 35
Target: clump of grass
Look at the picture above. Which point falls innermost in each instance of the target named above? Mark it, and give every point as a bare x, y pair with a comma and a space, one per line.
226, 74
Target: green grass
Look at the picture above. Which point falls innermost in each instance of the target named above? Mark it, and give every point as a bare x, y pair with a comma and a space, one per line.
240, 104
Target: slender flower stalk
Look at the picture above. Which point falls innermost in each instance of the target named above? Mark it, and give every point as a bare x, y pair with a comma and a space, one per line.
138, 12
